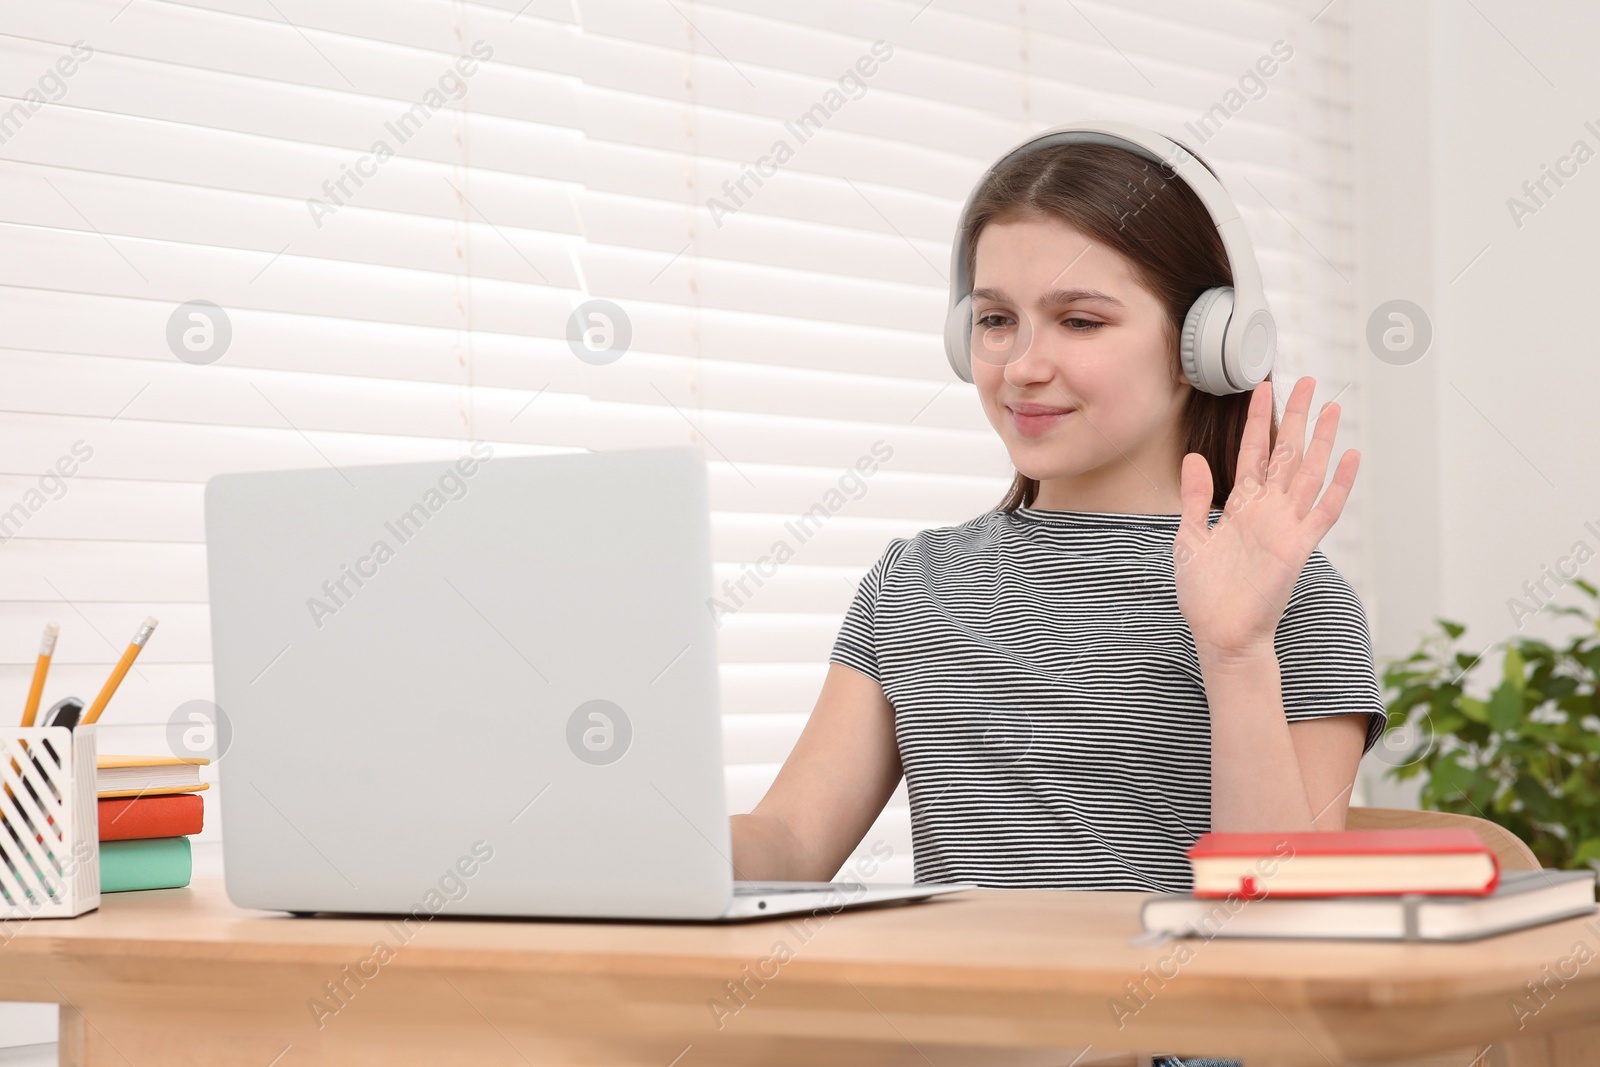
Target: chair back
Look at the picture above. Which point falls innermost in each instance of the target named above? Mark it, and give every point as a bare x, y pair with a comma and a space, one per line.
1507, 847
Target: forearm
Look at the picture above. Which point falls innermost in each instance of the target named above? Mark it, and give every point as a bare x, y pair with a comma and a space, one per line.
833, 785
1256, 783
765, 850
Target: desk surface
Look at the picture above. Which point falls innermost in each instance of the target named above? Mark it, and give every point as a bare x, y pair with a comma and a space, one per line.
991, 968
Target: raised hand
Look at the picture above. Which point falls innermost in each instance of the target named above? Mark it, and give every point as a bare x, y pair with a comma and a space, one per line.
1234, 579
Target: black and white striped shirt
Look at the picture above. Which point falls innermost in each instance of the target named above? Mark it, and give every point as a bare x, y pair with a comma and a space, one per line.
1047, 695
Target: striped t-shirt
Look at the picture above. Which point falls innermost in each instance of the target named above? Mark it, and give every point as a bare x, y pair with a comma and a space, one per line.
1047, 695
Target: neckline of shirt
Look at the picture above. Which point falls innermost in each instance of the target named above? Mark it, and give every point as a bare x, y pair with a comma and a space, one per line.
1103, 518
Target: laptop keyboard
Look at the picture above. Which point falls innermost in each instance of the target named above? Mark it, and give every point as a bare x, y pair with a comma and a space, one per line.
762, 889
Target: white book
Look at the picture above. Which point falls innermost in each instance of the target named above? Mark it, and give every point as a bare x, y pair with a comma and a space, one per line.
1522, 899
127, 776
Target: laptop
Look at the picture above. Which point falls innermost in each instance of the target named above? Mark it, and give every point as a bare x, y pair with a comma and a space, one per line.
483, 687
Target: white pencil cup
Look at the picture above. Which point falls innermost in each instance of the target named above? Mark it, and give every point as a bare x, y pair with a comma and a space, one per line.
49, 823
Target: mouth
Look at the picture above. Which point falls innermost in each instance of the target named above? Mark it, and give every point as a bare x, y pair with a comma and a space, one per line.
1031, 420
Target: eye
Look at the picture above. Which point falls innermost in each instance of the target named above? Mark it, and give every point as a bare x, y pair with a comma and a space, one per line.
993, 320
1075, 325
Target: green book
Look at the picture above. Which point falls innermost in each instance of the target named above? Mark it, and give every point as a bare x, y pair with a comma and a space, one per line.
153, 863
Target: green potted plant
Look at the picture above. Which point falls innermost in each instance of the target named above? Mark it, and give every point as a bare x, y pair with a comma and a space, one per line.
1527, 756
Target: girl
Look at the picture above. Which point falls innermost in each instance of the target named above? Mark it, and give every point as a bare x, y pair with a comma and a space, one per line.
1142, 642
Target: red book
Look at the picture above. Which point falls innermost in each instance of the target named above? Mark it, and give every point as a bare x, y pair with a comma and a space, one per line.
1343, 863
157, 815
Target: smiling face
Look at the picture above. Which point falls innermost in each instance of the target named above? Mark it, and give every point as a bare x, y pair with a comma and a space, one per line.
1075, 366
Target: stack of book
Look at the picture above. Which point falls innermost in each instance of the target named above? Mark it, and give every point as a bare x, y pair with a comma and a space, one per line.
149, 808
1401, 885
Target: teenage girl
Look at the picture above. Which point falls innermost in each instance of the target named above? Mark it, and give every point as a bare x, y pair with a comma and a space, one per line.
1143, 641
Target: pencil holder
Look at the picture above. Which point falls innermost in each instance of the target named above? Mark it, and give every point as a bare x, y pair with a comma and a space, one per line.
49, 823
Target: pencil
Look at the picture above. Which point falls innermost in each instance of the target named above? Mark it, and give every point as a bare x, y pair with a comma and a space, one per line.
46, 649
120, 671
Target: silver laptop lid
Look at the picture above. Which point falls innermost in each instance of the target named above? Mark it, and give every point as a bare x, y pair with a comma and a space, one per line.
485, 687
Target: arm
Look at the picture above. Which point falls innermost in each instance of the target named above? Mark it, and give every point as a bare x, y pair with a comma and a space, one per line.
1268, 773
830, 789
1234, 582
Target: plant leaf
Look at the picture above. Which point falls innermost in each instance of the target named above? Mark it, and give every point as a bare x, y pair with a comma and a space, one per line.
1505, 707
1448, 777
1514, 671
1588, 850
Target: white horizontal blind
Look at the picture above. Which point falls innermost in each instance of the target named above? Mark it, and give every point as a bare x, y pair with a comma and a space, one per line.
391, 307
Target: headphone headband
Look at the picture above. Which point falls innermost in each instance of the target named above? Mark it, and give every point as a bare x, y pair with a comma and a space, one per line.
1230, 336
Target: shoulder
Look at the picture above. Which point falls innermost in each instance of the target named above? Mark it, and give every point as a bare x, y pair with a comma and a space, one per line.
1325, 651
937, 543
1324, 612
1323, 589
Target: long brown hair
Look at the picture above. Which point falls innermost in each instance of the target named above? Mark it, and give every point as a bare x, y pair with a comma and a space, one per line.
1150, 215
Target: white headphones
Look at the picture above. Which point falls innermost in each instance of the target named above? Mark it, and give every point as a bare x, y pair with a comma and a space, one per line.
1228, 338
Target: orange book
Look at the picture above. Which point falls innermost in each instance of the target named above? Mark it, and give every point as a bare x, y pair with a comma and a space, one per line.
163, 815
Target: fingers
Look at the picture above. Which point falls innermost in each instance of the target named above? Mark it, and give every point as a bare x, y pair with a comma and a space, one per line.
1292, 431
1255, 441
1308, 480
1193, 523
1326, 513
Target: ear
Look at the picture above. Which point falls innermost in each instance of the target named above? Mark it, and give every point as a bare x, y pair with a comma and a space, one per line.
1178, 377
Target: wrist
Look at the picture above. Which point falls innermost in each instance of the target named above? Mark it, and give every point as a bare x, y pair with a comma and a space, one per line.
1236, 658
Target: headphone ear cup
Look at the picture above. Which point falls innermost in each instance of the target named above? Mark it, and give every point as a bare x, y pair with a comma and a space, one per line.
1200, 346
958, 338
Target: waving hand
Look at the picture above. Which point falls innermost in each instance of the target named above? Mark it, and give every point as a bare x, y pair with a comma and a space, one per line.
1234, 579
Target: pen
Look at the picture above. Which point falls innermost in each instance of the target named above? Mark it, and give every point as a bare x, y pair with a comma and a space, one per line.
46, 649
118, 672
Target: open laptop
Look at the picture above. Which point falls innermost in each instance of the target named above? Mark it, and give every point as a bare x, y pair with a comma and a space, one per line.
484, 687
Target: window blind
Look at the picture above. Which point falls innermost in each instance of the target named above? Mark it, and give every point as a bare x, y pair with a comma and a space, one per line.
398, 205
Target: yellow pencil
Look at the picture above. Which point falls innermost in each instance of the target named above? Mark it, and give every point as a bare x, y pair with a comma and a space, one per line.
46, 649
120, 671
30, 711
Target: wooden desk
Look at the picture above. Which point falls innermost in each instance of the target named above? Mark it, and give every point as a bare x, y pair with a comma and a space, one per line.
182, 977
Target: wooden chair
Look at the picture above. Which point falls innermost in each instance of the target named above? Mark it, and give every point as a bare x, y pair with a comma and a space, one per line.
1508, 848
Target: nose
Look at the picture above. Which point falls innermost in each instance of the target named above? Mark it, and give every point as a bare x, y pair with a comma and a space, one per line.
1035, 362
